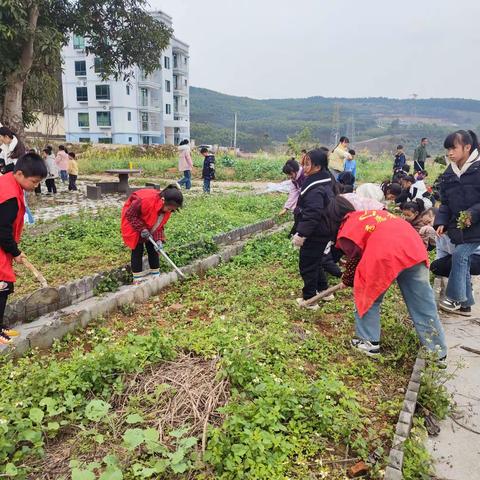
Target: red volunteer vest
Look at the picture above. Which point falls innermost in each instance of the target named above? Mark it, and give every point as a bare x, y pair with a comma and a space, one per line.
152, 204
389, 245
9, 188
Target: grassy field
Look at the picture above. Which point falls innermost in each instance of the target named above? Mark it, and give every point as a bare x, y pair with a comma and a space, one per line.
263, 167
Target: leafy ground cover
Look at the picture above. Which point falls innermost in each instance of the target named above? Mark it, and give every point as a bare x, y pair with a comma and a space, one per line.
87, 244
294, 401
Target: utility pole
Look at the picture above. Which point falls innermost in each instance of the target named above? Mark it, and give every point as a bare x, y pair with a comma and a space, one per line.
351, 129
234, 133
414, 96
335, 133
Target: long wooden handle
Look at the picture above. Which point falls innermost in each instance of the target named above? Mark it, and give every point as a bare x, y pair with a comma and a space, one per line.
35, 272
325, 293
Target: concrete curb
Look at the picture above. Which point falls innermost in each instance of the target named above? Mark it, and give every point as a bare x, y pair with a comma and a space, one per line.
84, 288
42, 332
405, 422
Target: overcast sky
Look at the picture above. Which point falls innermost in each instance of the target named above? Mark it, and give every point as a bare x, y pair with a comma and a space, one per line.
343, 48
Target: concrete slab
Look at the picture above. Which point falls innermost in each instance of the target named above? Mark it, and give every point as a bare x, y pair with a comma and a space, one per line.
456, 450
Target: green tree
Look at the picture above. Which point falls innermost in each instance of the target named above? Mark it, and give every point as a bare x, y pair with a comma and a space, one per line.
32, 33
301, 140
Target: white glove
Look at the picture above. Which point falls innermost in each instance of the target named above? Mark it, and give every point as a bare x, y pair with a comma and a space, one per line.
145, 234
159, 244
298, 241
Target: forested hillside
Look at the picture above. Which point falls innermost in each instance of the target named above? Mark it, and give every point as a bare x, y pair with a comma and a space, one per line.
268, 123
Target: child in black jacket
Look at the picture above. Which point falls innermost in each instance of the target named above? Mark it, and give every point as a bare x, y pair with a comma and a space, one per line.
312, 229
459, 215
208, 171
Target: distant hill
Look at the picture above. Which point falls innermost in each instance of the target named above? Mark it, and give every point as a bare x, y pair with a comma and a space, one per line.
267, 123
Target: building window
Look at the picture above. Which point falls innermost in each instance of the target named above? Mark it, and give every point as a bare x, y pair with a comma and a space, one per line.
78, 42
168, 109
82, 94
167, 85
83, 120
144, 121
186, 103
128, 89
129, 116
130, 139
103, 119
175, 60
166, 62
185, 82
84, 139
102, 92
80, 68
104, 140
144, 97
185, 60
98, 65
175, 82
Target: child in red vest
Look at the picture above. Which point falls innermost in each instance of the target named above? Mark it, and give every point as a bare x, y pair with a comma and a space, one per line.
28, 172
145, 213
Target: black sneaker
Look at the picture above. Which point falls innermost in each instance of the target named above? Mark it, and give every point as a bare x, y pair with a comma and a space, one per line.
449, 305
465, 311
4, 338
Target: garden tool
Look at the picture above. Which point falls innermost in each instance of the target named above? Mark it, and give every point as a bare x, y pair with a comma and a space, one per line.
43, 296
325, 293
165, 256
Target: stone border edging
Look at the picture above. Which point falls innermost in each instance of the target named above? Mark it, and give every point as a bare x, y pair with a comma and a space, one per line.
405, 422
84, 288
42, 332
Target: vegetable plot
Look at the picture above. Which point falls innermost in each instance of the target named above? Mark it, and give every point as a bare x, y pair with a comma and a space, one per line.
221, 377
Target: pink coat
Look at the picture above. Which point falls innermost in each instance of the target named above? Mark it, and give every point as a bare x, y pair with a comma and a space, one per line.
62, 160
184, 159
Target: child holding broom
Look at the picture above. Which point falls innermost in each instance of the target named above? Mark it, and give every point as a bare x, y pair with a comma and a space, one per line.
145, 213
28, 172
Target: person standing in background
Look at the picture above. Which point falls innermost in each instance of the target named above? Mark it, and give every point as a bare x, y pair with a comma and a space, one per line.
420, 155
399, 160
12, 149
62, 160
72, 172
338, 156
185, 164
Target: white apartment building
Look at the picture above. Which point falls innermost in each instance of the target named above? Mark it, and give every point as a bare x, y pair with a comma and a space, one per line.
151, 109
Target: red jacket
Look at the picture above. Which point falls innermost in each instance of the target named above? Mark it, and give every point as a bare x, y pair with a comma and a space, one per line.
140, 211
388, 245
9, 188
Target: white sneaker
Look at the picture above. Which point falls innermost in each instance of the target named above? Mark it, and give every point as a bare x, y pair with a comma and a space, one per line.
365, 347
301, 303
329, 298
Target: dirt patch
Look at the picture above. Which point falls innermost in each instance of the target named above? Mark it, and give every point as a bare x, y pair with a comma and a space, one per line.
183, 393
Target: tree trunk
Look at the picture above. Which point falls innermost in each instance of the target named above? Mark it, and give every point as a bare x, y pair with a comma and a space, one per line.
15, 82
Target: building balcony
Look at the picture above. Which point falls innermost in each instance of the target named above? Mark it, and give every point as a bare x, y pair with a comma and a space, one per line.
180, 68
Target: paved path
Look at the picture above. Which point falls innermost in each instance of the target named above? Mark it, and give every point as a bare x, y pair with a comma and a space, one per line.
456, 450
47, 207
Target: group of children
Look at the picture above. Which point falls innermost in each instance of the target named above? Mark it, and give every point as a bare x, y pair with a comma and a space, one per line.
63, 165
185, 165
329, 222
331, 218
